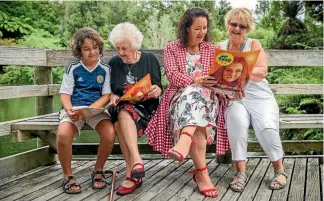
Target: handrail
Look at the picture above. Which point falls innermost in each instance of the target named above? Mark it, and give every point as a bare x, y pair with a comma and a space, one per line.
51, 58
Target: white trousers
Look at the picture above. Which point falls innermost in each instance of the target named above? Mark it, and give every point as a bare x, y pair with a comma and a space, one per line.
264, 117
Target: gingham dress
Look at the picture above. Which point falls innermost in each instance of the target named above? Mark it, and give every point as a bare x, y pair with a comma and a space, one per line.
194, 105
158, 129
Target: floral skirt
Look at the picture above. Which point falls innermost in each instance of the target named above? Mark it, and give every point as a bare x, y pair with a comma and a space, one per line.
194, 105
139, 114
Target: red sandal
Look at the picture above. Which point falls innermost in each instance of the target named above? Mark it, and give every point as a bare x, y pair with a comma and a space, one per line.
121, 190
138, 172
177, 155
204, 192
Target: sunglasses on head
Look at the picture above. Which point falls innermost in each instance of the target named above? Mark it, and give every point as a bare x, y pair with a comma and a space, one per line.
234, 25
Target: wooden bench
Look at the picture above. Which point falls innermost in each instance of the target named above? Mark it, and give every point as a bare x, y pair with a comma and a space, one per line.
46, 122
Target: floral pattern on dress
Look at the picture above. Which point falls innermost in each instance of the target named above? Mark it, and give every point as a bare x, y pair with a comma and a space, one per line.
194, 105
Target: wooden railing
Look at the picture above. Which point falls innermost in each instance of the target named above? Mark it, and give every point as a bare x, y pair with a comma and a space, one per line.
44, 90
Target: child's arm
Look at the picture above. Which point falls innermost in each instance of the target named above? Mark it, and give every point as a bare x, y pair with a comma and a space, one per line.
66, 103
101, 101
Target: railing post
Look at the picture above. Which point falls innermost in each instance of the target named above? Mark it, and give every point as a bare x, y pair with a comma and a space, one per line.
44, 104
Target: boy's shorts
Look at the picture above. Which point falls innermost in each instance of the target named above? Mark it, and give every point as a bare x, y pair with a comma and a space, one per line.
91, 121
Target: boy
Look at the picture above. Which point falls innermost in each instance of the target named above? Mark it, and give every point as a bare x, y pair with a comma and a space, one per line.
86, 83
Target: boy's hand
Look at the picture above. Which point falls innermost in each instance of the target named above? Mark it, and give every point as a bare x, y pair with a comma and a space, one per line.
113, 99
74, 115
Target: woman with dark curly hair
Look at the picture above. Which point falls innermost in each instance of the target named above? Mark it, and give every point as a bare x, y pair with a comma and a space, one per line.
86, 83
188, 109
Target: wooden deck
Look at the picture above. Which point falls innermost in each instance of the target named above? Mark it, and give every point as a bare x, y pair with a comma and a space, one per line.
165, 180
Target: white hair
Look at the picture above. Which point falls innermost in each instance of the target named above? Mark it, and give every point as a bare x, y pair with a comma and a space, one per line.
128, 31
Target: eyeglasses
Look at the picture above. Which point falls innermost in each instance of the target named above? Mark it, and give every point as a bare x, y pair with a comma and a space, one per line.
241, 26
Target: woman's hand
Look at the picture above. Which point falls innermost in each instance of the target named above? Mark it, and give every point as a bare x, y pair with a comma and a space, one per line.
237, 96
206, 81
113, 100
74, 115
155, 92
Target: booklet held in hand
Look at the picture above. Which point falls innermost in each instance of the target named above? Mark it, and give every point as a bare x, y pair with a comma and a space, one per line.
139, 91
232, 70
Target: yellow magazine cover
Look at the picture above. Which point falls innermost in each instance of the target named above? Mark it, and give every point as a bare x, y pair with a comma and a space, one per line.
232, 70
139, 91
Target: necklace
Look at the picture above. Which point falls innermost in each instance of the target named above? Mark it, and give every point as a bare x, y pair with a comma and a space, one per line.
241, 46
129, 69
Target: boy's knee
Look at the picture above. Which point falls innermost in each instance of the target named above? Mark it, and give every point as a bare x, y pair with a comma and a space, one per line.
63, 138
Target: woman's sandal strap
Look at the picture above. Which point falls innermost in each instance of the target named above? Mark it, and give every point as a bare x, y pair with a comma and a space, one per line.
189, 135
241, 181
276, 181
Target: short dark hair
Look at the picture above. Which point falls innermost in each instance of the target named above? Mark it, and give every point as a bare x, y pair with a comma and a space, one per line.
187, 20
80, 35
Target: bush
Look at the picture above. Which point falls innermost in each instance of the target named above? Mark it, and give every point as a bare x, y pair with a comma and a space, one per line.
17, 75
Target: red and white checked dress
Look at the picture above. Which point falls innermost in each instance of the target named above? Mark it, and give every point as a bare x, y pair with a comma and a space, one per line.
158, 129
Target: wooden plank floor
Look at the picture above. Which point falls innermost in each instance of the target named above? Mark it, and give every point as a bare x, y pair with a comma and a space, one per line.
165, 180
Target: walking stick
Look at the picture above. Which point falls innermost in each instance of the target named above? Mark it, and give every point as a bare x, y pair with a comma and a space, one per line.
113, 179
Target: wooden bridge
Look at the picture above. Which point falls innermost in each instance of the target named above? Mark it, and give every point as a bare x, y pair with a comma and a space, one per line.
28, 175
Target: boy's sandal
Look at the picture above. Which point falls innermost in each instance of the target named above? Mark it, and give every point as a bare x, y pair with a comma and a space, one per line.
240, 182
275, 180
93, 179
67, 187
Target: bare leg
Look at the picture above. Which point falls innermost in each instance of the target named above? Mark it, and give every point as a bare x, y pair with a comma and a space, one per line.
107, 135
198, 154
127, 156
184, 142
129, 132
64, 139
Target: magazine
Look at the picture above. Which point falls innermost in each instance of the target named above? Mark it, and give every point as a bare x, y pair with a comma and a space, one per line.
88, 112
139, 91
232, 70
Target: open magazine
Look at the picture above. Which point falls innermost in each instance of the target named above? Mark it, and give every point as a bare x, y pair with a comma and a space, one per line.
232, 70
139, 91
88, 112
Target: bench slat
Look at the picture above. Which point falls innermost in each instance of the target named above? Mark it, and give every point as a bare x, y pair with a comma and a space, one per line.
286, 122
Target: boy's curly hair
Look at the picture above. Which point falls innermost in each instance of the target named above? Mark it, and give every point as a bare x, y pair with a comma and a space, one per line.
80, 35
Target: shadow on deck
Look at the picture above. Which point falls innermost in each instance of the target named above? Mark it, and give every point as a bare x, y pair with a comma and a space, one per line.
165, 180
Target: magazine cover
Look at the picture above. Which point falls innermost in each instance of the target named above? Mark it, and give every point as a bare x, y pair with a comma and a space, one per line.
232, 70
88, 112
139, 91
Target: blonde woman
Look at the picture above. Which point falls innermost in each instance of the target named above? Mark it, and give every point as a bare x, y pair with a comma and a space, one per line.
259, 107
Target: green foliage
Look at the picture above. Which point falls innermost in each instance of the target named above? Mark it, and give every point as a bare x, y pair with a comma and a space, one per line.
219, 35
159, 32
17, 75
57, 74
296, 75
39, 38
265, 36
19, 18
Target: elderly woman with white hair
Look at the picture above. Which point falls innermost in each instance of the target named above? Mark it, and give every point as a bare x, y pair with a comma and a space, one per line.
131, 118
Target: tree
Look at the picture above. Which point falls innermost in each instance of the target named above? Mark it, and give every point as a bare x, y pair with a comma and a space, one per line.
293, 25
223, 8
314, 9
262, 9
